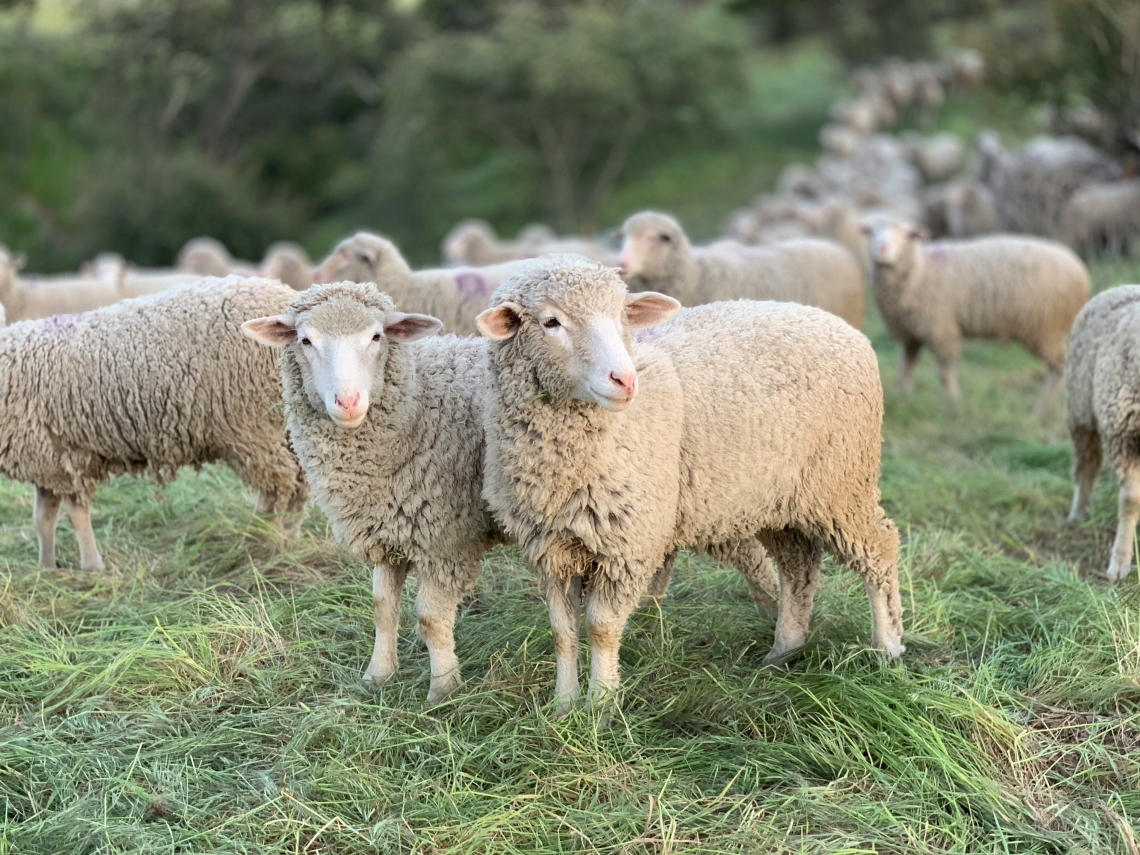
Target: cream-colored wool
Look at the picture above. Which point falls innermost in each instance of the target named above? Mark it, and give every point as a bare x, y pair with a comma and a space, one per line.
205, 256
1001, 287
1102, 372
474, 243
657, 256
454, 295
753, 421
144, 387
1103, 217
289, 263
403, 489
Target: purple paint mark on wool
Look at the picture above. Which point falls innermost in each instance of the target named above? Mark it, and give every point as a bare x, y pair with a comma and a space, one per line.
58, 321
937, 253
646, 334
471, 285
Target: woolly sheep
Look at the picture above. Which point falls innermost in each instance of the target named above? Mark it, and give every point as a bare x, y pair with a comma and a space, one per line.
968, 68
840, 140
474, 243
1104, 409
937, 157
288, 262
606, 453
29, 298
205, 256
859, 115
1005, 287
656, 255
144, 387
454, 295
389, 432
1103, 216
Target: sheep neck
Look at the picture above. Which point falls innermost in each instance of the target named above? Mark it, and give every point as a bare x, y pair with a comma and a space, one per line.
894, 283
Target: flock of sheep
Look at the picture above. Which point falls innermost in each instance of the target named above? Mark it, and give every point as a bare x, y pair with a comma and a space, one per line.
602, 408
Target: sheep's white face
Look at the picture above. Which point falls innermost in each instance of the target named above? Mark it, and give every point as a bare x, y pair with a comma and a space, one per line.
889, 242
648, 252
579, 345
354, 260
342, 346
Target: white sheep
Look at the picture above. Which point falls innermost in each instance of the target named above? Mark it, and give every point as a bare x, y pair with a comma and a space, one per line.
389, 432
1104, 409
656, 255
455, 295
606, 452
474, 243
287, 262
1103, 217
144, 387
1004, 287
29, 298
840, 140
938, 157
205, 256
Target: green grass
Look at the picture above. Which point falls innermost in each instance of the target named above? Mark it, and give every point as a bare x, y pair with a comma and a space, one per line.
202, 695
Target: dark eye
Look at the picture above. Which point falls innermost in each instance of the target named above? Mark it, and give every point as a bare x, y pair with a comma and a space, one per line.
666, 238
551, 323
306, 342
377, 337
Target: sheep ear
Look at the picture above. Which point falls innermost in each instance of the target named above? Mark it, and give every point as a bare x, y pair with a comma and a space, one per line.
406, 328
273, 331
500, 322
649, 308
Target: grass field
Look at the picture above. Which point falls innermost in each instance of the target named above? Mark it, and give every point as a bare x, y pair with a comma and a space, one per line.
202, 695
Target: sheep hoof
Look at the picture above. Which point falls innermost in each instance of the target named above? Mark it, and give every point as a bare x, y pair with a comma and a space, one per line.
1116, 573
373, 680
442, 688
776, 657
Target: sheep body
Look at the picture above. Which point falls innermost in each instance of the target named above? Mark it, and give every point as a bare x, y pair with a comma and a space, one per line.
1005, 287
31, 298
603, 496
1103, 216
1102, 372
811, 272
144, 387
287, 262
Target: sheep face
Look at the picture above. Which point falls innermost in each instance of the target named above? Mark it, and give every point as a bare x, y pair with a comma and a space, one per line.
889, 241
576, 335
651, 246
341, 346
361, 258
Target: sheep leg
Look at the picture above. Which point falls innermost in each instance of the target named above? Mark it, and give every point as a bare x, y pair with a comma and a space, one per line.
799, 561
436, 604
751, 558
45, 514
910, 357
387, 586
563, 603
873, 554
266, 502
948, 370
606, 614
1086, 466
659, 584
78, 510
1053, 380
1127, 514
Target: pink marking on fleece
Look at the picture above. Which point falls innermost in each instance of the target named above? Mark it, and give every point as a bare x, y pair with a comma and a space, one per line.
471, 285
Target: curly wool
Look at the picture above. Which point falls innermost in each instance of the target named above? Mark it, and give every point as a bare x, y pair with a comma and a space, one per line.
810, 272
145, 387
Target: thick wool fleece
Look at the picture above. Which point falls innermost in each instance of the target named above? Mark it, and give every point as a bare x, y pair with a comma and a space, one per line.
147, 386
752, 420
1102, 372
1005, 287
806, 271
403, 489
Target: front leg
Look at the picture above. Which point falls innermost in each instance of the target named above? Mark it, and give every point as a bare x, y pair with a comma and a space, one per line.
441, 591
387, 586
45, 514
79, 512
563, 601
607, 612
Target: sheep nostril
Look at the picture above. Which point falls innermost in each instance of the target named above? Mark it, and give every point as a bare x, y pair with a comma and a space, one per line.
624, 381
347, 402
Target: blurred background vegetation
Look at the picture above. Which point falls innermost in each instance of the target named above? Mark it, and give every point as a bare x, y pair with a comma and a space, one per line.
133, 125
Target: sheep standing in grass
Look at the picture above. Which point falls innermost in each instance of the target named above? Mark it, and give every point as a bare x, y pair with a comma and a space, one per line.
1102, 373
1103, 217
656, 255
389, 432
144, 387
1003, 287
606, 452
455, 295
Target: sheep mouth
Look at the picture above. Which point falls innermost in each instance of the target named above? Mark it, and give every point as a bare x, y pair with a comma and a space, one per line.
349, 424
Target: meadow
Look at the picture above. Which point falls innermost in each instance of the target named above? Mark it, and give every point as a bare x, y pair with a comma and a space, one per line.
203, 694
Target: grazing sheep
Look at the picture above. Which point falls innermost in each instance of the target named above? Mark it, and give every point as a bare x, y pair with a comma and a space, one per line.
29, 298
1004, 287
607, 452
205, 256
455, 295
288, 262
474, 243
144, 387
1104, 409
389, 433
937, 157
1103, 217
656, 255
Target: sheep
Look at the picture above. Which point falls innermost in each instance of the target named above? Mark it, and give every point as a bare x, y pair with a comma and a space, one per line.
289, 263
606, 453
1103, 216
205, 256
937, 157
474, 243
29, 298
1005, 287
1104, 409
389, 432
840, 140
961, 208
929, 94
454, 295
144, 387
859, 115
656, 255
798, 179
968, 68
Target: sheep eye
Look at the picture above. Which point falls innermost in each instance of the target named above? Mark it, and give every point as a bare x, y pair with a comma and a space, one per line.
306, 342
665, 237
377, 337
551, 323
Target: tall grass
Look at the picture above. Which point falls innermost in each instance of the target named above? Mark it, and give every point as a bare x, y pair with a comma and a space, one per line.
203, 694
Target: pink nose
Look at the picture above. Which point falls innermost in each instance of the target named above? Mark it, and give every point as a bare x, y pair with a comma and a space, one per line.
625, 381
347, 402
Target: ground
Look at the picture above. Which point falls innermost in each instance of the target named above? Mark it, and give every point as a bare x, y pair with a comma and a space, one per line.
203, 694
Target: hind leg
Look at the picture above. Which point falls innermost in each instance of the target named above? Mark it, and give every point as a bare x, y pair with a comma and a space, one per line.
910, 357
78, 510
1087, 457
873, 554
798, 560
751, 558
45, 515
1127, 514
659, 584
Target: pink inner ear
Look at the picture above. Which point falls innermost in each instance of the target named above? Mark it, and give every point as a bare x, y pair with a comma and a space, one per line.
272, 332
411, 327
646, 310
498, 322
